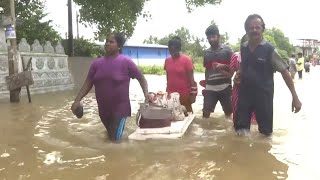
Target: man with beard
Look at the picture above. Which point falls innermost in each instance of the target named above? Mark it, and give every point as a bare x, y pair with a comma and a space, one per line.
259, 62
217, 85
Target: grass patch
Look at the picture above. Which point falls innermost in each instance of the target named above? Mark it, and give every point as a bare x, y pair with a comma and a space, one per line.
158, 70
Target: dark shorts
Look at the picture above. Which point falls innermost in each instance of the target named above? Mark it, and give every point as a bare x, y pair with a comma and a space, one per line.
261, 104
114, 127
212, 97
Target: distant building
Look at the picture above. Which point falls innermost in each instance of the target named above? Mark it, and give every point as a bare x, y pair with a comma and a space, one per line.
308, 46
145, 54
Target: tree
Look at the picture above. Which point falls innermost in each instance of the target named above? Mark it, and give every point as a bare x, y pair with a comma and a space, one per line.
30, 23
191, 4
190, 45
277, 38
84, 48
151, 40
120, 15
224, 38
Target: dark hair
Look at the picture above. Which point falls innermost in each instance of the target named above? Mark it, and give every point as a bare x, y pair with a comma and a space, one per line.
175, 42
250, 18
121, 40
293, 55
299, 54
212, 30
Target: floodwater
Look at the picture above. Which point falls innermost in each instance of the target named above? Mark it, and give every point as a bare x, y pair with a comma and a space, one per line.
44, 141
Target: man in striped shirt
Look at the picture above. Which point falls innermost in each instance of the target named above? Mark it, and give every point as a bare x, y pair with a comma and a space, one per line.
218, 86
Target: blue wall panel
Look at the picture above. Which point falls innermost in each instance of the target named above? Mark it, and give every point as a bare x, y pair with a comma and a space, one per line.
145, 52
131, 52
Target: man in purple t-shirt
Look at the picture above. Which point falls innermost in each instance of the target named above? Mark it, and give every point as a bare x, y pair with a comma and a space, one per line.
111, 77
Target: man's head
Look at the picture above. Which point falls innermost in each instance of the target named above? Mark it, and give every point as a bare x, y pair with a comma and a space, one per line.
254, 27
213, 36
293, 56
300, 55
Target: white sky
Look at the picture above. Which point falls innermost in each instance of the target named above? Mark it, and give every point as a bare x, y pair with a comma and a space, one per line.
297, 19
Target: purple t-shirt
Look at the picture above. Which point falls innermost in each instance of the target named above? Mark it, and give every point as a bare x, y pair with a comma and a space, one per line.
111, 78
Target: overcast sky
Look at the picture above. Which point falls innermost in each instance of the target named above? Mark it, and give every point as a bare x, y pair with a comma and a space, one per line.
297, 19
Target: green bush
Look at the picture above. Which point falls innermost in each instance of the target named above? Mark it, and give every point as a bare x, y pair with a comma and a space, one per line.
283, 54
198, 67
158, 70
84, 48
197, 60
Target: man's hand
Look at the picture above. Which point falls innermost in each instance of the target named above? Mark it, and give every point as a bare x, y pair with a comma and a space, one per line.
217, 66
236, 79
214, 66
296, 105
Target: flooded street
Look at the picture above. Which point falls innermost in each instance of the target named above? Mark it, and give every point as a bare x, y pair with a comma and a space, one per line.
44, 140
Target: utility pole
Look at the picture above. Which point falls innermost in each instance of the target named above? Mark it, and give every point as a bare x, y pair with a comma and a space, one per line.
12, 50
77, 18
70, 30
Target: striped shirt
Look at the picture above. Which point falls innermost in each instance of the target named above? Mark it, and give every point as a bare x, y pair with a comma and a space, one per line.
235, 66
216, 81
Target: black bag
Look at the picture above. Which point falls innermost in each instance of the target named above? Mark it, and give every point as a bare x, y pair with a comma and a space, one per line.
149, 116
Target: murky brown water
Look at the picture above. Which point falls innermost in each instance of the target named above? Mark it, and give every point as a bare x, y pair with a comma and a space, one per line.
43, 140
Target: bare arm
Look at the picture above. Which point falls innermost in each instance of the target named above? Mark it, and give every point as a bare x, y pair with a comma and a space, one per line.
194, 88
222, 67
229, 74
281, 66
191, 78
167, 77
144, 86
86, 87
288, 80
225, 70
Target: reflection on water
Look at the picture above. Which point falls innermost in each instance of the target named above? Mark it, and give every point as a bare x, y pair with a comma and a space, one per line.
43, 140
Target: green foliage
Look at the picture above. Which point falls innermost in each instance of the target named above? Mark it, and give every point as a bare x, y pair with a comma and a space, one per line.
30, 24
191, 4
158, 70
236, 47
277, 38
197, 60
198, 67
283, 54
120, 15
270, 38
111, 15
191, 45
84, 48
224, 38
